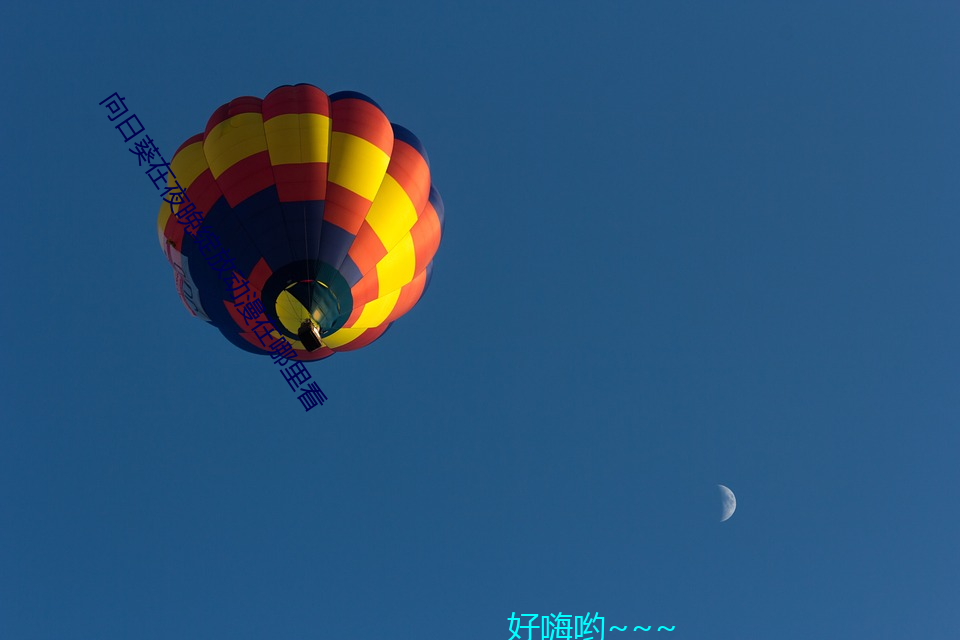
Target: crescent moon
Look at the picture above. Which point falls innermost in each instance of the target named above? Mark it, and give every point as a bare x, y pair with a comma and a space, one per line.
728, 502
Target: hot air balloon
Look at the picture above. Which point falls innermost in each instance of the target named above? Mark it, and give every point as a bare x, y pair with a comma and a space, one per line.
303, 217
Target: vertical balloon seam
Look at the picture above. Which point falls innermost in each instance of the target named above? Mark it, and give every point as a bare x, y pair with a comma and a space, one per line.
280, 204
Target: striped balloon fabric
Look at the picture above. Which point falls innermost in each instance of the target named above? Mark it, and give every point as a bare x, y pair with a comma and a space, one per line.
301, 208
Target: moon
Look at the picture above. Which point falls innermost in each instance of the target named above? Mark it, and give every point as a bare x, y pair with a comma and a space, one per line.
728, 502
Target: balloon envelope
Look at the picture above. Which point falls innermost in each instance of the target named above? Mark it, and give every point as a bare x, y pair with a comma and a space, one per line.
301, 206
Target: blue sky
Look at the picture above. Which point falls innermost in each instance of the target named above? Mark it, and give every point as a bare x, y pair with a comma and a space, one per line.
685, 244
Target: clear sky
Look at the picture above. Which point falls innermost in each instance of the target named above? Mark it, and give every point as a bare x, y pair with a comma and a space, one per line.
686, 243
